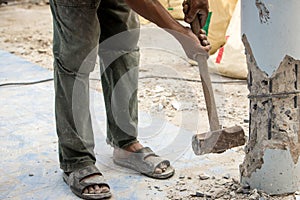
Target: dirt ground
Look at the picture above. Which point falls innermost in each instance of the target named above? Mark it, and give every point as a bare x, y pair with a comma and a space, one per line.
169, 87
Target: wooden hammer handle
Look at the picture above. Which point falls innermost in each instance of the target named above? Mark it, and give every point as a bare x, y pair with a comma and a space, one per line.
206, 82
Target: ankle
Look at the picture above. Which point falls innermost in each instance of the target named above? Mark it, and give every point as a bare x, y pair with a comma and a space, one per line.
133, 147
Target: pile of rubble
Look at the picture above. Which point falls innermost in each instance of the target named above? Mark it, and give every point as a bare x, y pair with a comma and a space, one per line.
208, 187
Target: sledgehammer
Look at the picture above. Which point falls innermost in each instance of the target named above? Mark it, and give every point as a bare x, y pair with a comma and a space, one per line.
217, 140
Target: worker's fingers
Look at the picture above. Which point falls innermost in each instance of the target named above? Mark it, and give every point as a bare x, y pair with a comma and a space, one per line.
202, 36
207, 48
191, 14
202, 32
205, 43
204, 40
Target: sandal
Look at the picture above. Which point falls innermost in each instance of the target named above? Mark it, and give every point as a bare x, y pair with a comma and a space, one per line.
77, 184
146, 161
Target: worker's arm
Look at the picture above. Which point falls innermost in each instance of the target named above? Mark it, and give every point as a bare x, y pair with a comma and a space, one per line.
156, 13
195, 8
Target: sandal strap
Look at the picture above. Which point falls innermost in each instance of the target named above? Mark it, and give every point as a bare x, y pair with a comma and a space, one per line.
86, 171
146, 151
76, 177
148, 160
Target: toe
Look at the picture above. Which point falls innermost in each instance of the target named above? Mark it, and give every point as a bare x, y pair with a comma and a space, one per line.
97, 189
158, 170
104, 189
91, 190
161, 168
85, 191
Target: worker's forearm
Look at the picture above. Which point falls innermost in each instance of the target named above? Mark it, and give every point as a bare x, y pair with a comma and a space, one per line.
156, 13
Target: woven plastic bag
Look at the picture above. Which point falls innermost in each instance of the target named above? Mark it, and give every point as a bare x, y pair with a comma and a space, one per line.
230, 59
221, 12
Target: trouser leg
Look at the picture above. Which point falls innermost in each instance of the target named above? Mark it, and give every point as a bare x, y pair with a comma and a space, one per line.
76, 36
119, 60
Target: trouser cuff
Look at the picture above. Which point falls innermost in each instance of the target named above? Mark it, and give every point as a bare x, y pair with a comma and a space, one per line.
75, 166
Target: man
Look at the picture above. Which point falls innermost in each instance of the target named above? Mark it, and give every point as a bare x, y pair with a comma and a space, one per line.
79, 26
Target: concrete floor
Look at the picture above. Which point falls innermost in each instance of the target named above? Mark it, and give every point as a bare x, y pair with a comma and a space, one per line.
29, 167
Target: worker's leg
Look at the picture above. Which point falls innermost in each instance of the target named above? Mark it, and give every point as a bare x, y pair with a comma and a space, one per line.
119, 58
76, 35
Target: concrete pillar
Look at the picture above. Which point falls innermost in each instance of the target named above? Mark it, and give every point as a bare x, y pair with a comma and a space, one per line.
271, 36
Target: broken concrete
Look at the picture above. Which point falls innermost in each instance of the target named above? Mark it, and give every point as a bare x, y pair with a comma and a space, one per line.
273, 149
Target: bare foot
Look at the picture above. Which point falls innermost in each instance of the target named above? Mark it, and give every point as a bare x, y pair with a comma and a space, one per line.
124, 153
95, 189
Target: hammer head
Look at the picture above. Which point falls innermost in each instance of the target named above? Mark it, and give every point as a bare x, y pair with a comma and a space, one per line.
218, 141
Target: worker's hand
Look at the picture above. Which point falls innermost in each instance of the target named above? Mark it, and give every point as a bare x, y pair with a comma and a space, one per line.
195, 8
193, 44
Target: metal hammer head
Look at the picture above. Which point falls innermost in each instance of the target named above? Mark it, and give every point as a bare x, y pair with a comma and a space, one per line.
218, 141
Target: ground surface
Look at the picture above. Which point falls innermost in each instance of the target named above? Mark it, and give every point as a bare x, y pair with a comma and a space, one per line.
26, 31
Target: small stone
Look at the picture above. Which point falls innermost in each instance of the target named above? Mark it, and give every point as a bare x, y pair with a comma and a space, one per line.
246, 187
198, 194
204, 177
176, 105
246, 120
181, 177
30, 174
156, 187
180, 182
182, 189
222, 181
235, 181
245, 191
189, 177
239, 190
163, 101
160, 107
234, 186
219, 193
226, 176
254, 195
232, 193
288, 112
42, 50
